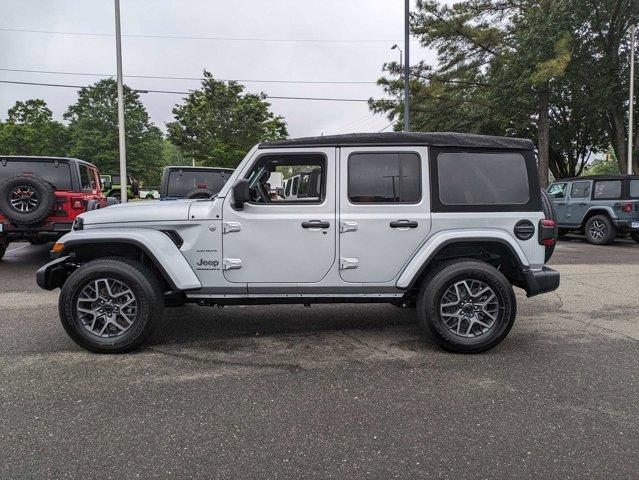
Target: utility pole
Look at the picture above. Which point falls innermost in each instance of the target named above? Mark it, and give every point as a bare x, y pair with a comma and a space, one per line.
633, 44
124, 179
406, 66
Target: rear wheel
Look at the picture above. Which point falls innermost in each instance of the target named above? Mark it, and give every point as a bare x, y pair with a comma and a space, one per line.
635, 236
467, 305
600, 230
109, 305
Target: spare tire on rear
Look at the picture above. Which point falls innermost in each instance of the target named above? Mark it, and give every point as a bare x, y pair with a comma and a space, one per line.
26, 200
199, 193
549, 213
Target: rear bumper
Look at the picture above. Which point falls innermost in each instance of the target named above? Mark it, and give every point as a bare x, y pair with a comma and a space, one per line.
627, 225
542, 281
47, 228
54, 273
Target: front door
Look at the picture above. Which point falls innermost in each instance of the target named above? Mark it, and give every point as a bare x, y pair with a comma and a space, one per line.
384, 211
557, 193
280, 238
577, 204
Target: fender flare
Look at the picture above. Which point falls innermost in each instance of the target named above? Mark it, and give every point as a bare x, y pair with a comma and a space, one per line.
435, 244
157, 245
600, 209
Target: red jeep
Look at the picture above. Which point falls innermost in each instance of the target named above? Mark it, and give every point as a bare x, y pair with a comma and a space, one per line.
41, 196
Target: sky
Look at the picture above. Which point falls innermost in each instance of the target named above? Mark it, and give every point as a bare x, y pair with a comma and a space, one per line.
300, 40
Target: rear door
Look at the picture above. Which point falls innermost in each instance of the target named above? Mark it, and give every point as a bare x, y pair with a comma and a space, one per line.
578, 202
384, 210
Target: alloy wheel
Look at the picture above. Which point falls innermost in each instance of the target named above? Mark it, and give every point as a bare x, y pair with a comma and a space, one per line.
24, 199
597, 230
469, 308
107, 307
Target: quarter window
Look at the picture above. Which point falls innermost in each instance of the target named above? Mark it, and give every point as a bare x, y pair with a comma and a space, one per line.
580, 190
557, 190
86, 179
469, 178
384, 178
634, 188
608, 189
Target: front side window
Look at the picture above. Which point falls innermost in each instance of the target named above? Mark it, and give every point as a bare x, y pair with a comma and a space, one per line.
557, 190
384, 178
304, 175
608, 189
580, 190
475, 178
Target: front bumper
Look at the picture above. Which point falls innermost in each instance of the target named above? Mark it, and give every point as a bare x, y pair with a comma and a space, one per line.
541, 281
54, 273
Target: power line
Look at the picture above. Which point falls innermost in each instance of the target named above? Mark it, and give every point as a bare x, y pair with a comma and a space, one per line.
164, 77
186, 93
231, 39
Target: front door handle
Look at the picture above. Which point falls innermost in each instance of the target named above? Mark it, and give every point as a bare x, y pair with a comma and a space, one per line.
583, 204
315, 224
403, 224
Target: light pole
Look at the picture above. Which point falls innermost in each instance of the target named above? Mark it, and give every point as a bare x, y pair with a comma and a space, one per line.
633, 44
118, 54
406, 65
401, 66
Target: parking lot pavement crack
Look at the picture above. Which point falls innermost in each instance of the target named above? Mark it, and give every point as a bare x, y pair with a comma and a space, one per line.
288, 367
372, 347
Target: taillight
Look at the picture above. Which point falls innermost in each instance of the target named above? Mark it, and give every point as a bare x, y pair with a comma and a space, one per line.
77, 203
547, 232
626, 207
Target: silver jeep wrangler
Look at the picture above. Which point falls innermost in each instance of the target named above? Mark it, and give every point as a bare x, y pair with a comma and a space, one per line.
442, 222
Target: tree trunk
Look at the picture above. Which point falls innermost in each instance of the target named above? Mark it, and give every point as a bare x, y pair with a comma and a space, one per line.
617, 129
543, 137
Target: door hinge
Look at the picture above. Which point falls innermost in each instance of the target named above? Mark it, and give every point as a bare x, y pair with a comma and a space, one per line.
230, 227
348, 263
232, 264
348, 227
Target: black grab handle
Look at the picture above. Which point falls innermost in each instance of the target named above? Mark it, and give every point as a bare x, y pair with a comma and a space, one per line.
315, 224
403, 224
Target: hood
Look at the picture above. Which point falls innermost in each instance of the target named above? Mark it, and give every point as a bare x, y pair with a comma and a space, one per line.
143, 211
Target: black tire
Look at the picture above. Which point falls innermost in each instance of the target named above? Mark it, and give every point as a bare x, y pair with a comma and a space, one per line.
3, 250
42, 195
436, 285
117, 196
93, 204
635, 236
549, 212
199, 193
142, 283
600, 230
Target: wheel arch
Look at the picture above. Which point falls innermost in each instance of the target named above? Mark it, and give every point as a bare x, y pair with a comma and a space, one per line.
608, 211
152, 248
498, 251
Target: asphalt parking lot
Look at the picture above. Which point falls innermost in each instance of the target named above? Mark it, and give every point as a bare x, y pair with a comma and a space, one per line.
331, 391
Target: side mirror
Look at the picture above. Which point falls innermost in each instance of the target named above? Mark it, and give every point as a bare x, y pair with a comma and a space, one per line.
240, 193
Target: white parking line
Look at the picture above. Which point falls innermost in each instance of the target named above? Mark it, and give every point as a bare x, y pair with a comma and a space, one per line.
18, 248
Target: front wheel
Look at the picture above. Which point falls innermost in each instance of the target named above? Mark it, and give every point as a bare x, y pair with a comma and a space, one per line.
468, 306
600, 230
109, 305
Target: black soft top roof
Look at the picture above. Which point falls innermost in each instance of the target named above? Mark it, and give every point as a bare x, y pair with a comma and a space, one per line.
598, 177
35, 158
438, 139
190, 167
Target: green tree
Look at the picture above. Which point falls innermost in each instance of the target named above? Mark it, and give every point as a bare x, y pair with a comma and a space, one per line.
93, 129
518, 68
218, 123
31, 130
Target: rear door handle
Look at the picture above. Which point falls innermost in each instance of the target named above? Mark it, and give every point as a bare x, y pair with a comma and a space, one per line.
315, 224
403, 224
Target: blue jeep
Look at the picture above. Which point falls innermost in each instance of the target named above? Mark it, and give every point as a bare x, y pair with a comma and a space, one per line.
600, 206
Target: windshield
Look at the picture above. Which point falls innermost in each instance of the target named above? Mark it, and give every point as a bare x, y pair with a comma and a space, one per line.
59, 176
182, 182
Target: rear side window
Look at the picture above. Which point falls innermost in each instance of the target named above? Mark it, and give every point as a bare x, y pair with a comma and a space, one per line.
608, 189
557, 190
384, 178
86, 178
580, 190
469, 178
59, 176
634, 188
181, 182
